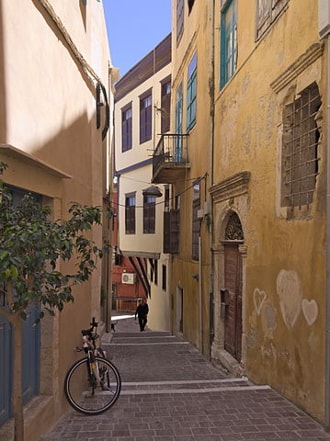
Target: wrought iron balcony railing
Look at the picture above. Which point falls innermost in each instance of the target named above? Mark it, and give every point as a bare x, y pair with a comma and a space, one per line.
170, 158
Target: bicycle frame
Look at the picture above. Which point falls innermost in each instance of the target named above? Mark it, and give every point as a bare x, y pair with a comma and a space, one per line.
103, 384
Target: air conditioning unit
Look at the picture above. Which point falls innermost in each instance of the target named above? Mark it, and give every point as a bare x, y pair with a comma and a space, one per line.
128, 278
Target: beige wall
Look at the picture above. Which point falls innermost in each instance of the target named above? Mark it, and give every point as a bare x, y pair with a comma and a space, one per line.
135, 173
49, 109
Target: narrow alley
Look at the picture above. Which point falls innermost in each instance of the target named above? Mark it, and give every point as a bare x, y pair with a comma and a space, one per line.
171, 393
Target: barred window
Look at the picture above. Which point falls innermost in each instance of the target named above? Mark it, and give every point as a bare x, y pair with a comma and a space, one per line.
300, 155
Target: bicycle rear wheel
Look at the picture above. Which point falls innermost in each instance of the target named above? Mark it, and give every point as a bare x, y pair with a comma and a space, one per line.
92, 389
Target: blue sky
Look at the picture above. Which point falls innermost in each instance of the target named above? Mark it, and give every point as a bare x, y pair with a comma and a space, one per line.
135, 28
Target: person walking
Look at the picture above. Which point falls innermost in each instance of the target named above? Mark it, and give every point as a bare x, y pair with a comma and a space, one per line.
142, 312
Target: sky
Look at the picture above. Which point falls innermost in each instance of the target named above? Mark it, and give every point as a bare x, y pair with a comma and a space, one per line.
135, 28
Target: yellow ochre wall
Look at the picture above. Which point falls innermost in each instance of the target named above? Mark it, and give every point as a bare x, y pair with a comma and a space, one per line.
284, 268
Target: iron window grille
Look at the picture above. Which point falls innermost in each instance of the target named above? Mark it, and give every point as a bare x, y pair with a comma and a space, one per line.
300, 158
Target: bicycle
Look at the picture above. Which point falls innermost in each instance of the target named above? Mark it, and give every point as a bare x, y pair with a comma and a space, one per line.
92, 385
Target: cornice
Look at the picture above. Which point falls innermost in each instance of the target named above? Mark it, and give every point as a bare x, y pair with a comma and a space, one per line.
233, 186
301, 63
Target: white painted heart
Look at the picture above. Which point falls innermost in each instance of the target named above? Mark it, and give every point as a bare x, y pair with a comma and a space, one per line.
259, 298
289, 290
310, 310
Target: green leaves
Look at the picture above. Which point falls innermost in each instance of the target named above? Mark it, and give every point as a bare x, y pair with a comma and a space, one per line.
32, 245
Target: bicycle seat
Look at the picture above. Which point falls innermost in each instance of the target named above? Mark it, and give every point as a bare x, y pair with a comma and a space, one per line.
86, 332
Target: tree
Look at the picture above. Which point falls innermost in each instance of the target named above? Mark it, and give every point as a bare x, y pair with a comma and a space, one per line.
32, 245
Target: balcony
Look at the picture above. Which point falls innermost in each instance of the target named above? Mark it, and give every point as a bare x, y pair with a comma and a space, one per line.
170, 158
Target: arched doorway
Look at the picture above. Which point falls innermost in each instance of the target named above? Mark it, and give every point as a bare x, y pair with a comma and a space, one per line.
231, 295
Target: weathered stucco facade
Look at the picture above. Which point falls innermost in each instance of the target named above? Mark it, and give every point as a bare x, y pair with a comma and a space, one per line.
142, 101
190, 274
269, 201
54, 59
250, 98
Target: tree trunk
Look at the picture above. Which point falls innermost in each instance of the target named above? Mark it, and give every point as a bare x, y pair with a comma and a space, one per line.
17, 397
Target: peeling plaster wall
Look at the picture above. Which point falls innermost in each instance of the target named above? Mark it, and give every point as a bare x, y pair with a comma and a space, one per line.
284, 269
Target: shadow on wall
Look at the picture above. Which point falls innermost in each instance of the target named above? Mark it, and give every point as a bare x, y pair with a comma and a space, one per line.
3, 123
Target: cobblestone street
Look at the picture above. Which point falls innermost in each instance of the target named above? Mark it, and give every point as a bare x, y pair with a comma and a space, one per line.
171, 393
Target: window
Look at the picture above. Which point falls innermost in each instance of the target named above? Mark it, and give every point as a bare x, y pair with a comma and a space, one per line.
195, 221
191, 92
228, 56
149, 214
145, 117
155, 271
130, 213
178, 124
267, 12
126, 128
300, 154
179, 19
164, 277
166, 106
172, 229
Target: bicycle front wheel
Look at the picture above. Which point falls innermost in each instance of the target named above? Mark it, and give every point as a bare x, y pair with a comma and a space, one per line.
92, 388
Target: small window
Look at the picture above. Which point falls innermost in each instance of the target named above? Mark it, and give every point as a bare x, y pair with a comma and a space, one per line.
195, 221
179, 20
126, 128
171, 231
149, 214
156, 272
130, 205
300, 151
145, 118
166, 106
267, 12
192, 92
228, 55
164, 277
178, 153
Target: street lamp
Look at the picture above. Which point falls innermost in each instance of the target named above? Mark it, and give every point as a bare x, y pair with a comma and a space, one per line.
153, 190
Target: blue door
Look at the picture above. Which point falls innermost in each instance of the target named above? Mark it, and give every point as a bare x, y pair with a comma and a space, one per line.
31, 362
5, 369
31, 350
31, 355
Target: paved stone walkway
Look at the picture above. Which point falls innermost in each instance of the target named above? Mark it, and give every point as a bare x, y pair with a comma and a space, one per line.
171, 393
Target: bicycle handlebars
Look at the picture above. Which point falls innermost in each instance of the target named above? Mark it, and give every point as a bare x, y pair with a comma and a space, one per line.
90, 331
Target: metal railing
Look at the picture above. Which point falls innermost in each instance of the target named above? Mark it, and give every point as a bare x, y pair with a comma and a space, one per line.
171, 148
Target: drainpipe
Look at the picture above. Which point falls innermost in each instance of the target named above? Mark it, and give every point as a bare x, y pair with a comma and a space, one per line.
211, 174
211, 91
324, 33
327, 375
200, 299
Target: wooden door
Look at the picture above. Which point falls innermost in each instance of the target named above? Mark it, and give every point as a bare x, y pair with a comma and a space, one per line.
233, 301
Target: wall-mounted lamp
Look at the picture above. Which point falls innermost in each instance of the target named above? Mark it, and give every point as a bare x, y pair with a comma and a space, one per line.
153, 190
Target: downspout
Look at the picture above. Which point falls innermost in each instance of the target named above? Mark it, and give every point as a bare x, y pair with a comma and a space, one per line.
324, 33
200, 297
327, 372
211, 173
